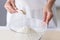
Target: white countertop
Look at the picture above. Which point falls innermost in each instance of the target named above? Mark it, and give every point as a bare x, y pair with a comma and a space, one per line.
9, 35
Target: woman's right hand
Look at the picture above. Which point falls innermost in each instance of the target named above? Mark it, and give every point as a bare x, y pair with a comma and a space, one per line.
10, 6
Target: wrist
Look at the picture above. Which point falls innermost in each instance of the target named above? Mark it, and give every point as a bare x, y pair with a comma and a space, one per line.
48, 7
50, 4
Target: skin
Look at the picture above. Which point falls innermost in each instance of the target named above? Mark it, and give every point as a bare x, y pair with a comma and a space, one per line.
47, 10
10, 6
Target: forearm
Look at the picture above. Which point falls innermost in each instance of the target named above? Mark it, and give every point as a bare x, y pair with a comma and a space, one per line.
50, 3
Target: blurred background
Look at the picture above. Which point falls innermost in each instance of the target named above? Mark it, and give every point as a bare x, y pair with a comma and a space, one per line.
2, 13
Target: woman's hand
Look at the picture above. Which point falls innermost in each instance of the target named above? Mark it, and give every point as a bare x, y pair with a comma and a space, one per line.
10, 6
47, 14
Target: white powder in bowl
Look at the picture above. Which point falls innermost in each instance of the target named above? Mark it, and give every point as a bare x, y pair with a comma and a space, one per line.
26, 30
27, 33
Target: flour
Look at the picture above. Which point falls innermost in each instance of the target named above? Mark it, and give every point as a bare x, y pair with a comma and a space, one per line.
27, 33
26, 30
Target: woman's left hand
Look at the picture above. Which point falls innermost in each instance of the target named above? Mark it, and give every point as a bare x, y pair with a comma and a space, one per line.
47, 14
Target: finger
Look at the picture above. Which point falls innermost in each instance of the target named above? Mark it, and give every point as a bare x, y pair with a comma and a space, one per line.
44, 16
49, 17
13, 5
9, 8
